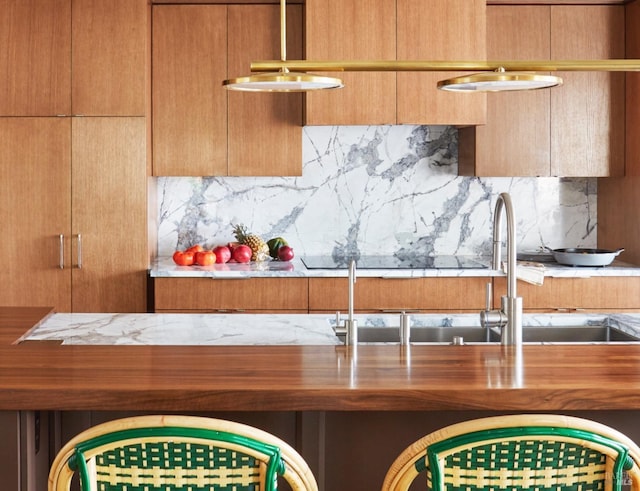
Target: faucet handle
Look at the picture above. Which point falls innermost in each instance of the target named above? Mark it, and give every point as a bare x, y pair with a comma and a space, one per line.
488, 299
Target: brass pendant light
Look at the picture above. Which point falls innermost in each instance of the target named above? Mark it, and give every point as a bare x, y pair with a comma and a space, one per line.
499, 81
282, 80
500, 75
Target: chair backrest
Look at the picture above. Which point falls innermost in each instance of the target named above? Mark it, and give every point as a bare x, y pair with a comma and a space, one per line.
171, 453
541, 452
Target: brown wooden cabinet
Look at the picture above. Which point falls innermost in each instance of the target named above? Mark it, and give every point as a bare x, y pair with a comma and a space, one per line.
587, 115
201, 129
352, 30
109, 53
597, 293
57, 51
109, 215
35, 210
382, 30
73, 189
516, 139
35, 58
440, 30
573, 130
284, 295
74, 211
398, 294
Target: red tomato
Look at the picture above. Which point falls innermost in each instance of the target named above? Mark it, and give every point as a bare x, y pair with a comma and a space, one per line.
223, 254
183, 258
241, 253
195, 249
205, 258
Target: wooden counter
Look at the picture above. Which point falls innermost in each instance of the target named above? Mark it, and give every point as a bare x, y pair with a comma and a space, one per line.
48, 376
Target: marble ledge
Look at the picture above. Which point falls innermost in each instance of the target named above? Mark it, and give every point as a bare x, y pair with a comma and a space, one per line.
164, 267
266, 329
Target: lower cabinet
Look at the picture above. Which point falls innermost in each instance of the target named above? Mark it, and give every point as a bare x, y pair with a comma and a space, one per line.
290, 295
598, 293
399, 294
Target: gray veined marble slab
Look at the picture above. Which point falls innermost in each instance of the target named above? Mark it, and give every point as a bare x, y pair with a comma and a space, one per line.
268, 329
185, 329
372, 190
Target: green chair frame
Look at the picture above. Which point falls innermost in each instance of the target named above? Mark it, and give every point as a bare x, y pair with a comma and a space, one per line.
533, 452
178, 453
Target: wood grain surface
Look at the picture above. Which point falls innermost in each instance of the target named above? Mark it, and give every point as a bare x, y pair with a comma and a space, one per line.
47, 376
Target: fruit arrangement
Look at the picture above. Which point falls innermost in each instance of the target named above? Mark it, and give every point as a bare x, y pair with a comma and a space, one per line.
248, 247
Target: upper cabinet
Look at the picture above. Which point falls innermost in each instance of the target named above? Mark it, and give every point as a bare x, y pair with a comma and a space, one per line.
352, 30
403, 30
440, 30
587, 113
35, 57
576, 129
93, 54
109, 57
198, 127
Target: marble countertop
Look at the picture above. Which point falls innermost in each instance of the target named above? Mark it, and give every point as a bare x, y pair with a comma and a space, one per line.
184, 329
265, 329
165, 267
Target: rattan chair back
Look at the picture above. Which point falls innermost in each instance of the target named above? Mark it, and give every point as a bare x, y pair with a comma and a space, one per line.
178, 453
518, 453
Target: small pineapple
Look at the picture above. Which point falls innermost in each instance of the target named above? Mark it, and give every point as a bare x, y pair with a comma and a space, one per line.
259, 248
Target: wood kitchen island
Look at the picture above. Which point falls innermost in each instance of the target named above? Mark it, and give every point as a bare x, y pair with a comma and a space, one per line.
373, 384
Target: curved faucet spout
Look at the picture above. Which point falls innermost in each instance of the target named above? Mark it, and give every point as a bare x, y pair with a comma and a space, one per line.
511, 305
504, 202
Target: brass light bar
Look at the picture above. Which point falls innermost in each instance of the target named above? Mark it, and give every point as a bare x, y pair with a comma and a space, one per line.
617, 65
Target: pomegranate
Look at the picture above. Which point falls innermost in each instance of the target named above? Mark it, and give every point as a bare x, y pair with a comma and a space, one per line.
285, 253
242, 253
223, 254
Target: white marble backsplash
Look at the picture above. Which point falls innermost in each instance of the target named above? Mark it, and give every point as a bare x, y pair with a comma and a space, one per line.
376, 190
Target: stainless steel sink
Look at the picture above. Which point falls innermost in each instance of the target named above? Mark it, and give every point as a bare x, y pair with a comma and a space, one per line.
590, 333
469, 334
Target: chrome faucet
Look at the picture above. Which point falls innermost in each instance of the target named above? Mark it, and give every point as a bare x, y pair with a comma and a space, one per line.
509, 317
351, 325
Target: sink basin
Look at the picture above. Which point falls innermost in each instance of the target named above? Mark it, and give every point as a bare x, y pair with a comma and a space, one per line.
469, 334
538, 328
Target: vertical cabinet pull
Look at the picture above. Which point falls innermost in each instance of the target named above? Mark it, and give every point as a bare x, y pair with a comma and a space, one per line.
61, 248
79, 251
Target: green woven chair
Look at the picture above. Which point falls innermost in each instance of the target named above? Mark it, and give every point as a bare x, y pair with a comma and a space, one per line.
537, 452
178, 453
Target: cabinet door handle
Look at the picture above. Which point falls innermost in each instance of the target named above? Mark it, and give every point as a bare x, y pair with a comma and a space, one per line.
61, 248
79, 238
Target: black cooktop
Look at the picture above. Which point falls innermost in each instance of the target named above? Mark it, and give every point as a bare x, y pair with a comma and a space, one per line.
394, 262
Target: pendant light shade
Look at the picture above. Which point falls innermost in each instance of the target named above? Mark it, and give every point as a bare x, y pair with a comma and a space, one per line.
282, 80
499, 81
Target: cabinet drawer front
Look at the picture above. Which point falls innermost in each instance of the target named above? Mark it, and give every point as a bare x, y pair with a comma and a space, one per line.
577, 293
399, 294
269, 294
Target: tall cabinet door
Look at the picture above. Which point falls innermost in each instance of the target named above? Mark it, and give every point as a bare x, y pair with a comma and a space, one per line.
109, 215
189, 103
35, 62
35, 212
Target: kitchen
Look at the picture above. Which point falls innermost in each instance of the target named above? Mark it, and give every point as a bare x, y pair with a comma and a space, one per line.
117, 226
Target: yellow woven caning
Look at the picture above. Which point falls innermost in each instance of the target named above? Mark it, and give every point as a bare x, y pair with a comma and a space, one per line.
524, 478
179, 477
